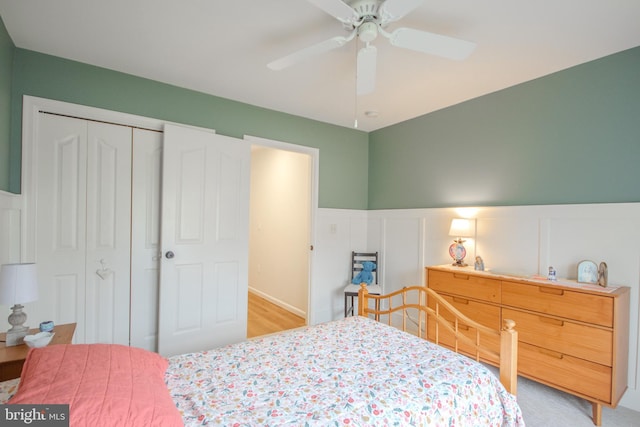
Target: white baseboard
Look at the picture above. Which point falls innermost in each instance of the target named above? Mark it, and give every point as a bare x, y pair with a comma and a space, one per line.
279, 303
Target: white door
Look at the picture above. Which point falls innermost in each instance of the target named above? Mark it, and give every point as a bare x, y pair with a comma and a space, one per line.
82, 204
108, 233
205, 234
60, 170
145, 237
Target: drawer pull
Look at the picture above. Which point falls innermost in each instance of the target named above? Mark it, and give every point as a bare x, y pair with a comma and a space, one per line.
551, 291
550, 321
551, 353
460, 300
461, 276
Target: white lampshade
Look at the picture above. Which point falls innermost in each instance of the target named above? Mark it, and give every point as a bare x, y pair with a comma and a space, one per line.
461, 227
18, 284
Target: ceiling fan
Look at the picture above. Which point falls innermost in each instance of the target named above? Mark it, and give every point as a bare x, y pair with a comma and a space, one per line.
365, 19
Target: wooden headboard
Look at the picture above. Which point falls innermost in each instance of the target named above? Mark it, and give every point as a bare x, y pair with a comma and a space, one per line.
434, 319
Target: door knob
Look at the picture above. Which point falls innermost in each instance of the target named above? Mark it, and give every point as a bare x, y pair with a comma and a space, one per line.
169, 255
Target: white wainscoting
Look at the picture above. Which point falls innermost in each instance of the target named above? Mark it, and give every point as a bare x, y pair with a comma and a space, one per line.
338, 232
10, 227
521, 240
11, 220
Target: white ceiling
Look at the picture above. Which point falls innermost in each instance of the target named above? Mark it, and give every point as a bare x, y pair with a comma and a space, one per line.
222, 48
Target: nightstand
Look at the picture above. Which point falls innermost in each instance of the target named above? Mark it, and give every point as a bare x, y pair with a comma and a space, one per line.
12, 358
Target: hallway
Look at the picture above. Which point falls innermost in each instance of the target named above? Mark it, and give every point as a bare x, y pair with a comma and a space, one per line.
265, 317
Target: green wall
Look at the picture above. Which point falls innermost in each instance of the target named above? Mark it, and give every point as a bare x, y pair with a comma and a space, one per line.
6, 60
570, 137
342, 175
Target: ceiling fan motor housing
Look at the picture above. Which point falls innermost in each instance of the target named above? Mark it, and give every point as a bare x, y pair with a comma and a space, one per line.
367, 24
366, 8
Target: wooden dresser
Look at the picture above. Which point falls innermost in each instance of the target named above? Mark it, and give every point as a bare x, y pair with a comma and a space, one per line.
572, 337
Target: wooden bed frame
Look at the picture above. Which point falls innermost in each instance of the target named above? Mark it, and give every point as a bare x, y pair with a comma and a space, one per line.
431, 307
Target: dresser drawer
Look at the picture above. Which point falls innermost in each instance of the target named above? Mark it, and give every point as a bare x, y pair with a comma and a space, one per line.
573, 374
485, 314
465, 285
558, 301
585, 342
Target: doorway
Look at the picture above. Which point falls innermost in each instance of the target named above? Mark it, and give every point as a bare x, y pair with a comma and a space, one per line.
282, 203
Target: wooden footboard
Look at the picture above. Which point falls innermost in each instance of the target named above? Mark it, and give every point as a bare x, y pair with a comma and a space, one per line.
432, 318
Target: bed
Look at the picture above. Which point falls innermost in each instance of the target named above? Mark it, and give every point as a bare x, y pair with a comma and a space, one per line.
354, 371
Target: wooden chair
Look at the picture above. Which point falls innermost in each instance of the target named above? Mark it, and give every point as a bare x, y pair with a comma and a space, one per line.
351, 291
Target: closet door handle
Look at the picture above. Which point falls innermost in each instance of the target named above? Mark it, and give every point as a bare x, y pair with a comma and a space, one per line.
169, 255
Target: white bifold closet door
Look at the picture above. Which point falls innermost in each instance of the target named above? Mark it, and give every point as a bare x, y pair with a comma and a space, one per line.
83, 211
145, 237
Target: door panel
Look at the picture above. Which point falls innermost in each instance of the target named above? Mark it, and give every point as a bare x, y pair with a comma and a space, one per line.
145, 238
60, 165
229, 227
108, 233
67, 292
191, 186
189, 298
67, 175
205, 211
229, 302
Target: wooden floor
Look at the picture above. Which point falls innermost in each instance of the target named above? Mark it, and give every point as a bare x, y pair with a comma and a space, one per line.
266, 318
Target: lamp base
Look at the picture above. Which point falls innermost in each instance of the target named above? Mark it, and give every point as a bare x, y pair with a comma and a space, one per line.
457, 252
16, 336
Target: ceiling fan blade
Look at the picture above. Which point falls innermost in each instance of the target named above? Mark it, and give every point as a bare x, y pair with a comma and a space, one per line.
313, 50
338, 9
392, 10
366, 70
433, 44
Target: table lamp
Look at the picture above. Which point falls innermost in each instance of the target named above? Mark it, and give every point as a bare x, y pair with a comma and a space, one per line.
18, 285
460, 227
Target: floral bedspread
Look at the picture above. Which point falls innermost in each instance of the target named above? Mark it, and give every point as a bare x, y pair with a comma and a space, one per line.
353, 372
8, 389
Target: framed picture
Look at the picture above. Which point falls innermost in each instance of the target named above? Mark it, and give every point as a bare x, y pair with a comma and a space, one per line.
587, 272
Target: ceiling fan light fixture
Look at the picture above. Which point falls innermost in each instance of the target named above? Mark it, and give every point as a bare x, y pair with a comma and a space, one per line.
367, 32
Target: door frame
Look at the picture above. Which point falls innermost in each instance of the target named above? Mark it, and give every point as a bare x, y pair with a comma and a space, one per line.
314, 154
32, 106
